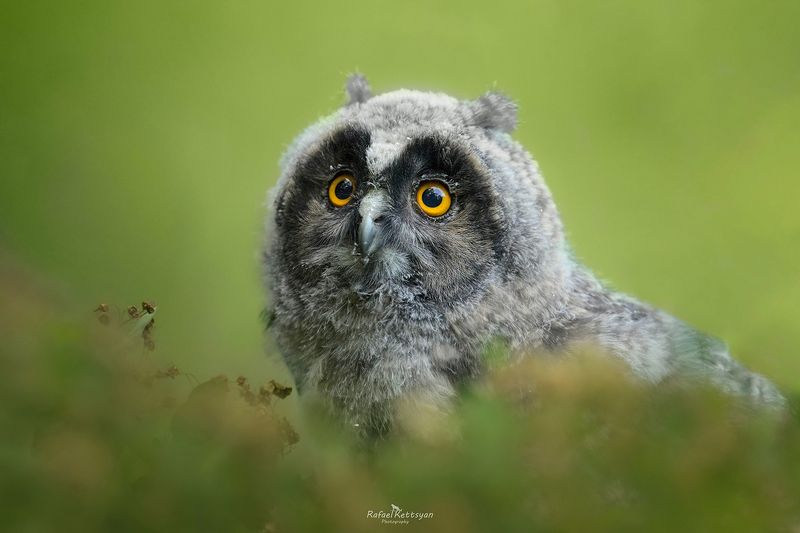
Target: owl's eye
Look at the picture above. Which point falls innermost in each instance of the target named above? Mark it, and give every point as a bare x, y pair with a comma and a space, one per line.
433, 198
340, 189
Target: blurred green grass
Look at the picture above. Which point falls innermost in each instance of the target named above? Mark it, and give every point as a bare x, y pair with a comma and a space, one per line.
137, 142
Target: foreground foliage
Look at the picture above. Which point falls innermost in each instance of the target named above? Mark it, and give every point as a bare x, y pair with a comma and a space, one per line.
101, 435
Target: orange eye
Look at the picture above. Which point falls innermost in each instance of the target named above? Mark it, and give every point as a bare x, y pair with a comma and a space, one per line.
340, 189
433, 198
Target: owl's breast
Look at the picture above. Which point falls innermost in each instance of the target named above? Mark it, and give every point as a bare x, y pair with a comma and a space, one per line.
371, 349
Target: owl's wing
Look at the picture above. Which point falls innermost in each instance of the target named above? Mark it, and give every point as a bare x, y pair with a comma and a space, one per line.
698, 354
657, 345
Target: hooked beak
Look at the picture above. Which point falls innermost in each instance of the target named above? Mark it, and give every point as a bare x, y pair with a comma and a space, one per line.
372, 210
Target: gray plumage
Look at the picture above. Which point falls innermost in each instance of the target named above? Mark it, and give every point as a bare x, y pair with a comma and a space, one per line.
375, 301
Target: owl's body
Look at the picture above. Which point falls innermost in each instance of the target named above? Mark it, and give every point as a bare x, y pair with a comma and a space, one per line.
375, 300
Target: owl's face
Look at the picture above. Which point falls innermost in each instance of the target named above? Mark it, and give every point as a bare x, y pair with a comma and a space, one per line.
421, 226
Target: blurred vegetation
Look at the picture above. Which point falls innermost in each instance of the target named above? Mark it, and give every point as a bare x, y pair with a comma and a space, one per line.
101, 434
137, 142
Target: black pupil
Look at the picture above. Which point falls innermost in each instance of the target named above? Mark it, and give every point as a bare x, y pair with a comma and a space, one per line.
432, 197
343, 189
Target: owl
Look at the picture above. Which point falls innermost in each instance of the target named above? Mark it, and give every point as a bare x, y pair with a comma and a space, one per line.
408, 230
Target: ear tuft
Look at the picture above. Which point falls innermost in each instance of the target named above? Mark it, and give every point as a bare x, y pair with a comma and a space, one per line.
358, 90
495, 110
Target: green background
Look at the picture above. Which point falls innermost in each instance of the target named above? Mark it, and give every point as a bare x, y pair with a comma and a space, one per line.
138, 140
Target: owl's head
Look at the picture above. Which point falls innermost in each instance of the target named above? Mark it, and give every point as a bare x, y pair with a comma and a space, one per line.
411, 197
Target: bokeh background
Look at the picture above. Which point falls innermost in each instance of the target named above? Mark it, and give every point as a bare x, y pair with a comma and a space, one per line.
138, 140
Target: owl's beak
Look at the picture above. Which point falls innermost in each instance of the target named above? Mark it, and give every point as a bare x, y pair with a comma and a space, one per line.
372, 211
367, 231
